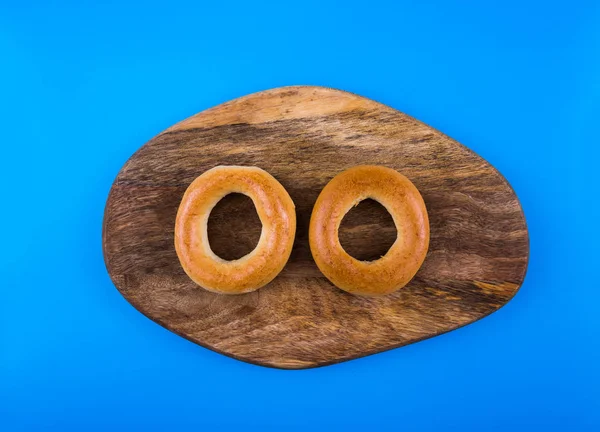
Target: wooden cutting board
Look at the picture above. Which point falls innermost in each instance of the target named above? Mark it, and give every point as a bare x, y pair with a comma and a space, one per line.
304, 136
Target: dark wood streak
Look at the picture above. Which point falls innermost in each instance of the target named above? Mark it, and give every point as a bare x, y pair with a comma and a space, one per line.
304, 136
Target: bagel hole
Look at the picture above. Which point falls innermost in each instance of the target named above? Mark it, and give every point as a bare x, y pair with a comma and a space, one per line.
233, 227
367, 231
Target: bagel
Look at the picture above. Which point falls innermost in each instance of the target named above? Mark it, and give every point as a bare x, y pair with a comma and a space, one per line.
407, 208
277, 214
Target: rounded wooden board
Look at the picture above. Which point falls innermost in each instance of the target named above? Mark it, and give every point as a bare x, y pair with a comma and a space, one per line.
304, 136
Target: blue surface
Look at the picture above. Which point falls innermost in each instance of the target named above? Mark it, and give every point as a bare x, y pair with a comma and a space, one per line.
83, 86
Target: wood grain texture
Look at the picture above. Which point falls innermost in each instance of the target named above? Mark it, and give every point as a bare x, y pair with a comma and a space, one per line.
304, 136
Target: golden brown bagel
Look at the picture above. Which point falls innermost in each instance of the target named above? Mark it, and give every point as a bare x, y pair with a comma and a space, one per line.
401, 199
277, 214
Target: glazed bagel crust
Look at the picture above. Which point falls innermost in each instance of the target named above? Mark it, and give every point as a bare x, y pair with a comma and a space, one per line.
407, 208
277, 214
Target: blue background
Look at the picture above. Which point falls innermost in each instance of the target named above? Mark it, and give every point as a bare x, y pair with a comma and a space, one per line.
82, 86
